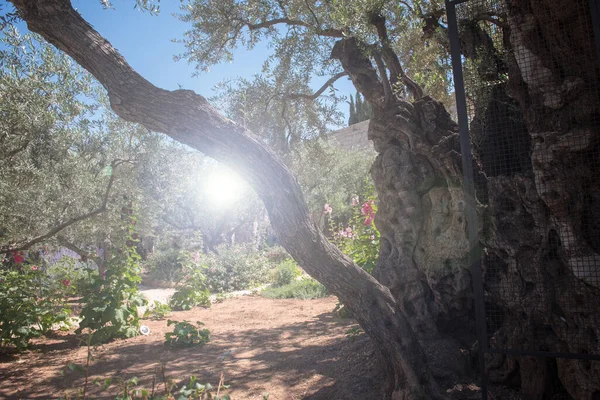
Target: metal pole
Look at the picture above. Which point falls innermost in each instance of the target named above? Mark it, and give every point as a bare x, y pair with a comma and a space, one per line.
469, 187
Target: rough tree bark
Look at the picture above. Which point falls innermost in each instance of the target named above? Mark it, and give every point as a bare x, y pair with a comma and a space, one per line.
188, 118
543, 259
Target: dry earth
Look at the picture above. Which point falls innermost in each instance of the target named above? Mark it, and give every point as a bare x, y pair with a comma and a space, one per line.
291, 349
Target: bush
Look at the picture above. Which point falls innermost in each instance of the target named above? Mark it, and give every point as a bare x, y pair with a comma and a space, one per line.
235, 267
304, 289
194, 291
286, 272
165, 265
30, 303
80, 275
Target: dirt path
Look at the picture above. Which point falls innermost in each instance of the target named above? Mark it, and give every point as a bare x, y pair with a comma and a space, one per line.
291, 349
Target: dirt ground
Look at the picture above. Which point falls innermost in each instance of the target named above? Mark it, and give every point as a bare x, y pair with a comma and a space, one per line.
290, 349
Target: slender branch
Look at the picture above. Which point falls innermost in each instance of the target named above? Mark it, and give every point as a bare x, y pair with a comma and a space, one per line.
16, 151
391, 58
312, 12
52, 232
490, 18
292, 22
387, 87
330, 82
330, 32
63, 241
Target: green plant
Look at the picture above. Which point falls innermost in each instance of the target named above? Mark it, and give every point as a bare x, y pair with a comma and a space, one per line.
81, 275
303, 289
235, 267
194, 291
159, 311
196, 390
186, 334
354, 332
165, 265
31, 303
111, 306
286, 272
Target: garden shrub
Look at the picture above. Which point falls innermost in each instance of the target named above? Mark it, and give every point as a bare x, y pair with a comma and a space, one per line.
80, 275
30, 303
276, 254
304, 289
165, 265
111, 305
235, 267
286, 272
194, 291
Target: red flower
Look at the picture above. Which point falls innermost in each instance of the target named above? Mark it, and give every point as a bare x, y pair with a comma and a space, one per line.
18, 257
66, 282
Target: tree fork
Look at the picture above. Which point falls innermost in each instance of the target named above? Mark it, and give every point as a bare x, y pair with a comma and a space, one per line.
189, 119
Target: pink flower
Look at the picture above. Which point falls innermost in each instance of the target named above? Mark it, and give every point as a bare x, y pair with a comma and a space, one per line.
367, 208
196, 256
372, 237
369, 220
187, 277
327, 208
355, 201
66, 282
34, 268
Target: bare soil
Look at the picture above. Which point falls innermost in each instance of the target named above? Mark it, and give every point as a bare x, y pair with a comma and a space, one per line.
290, 349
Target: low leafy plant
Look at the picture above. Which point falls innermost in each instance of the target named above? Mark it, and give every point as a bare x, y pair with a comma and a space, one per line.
194, 291
354, 332
286, 272
186, 334
304, 289
111, 306
31, 303
196, 390
158, 312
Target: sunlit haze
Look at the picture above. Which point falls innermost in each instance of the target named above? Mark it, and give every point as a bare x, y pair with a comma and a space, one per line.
222, 187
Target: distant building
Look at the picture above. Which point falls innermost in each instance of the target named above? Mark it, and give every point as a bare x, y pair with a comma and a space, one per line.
353, 137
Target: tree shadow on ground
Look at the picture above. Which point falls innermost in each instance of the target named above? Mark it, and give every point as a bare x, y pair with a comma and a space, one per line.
313, 359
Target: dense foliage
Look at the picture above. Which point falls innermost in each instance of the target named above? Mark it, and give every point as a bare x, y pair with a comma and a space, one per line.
31, 303
111, 304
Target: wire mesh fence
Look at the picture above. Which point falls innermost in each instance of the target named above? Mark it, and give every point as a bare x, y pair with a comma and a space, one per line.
531, 86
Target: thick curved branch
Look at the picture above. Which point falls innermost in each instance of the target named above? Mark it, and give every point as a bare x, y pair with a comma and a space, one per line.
58, 228
330, 82
330, 32
189, 119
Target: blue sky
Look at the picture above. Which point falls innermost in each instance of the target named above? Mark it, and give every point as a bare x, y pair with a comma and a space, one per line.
146, 42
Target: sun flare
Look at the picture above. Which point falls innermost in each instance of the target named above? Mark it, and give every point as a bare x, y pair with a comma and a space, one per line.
223, 187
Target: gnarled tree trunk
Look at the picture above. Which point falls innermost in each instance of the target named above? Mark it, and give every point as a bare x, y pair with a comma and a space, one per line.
188, 118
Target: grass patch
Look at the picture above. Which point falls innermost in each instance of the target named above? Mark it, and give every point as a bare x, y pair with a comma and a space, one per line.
303, 289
